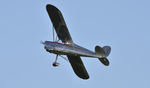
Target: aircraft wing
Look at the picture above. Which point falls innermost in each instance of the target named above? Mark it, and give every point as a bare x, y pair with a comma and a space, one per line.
59, 24
78, 66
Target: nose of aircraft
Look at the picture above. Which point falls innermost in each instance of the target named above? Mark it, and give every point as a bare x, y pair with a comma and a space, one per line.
48, 46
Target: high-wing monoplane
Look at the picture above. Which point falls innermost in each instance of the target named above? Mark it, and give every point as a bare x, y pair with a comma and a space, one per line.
67, 47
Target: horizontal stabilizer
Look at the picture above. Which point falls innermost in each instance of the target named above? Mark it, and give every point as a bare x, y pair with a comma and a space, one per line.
104, 61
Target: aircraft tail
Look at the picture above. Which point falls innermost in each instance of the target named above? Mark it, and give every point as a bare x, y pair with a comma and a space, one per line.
103, 53
107, 50
104, 61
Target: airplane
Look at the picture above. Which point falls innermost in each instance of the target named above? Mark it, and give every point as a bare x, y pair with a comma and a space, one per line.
67, 47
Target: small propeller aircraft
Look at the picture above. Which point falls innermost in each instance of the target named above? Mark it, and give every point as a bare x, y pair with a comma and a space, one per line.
69, 48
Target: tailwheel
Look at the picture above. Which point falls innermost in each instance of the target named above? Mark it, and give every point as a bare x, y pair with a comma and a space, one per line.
55, 64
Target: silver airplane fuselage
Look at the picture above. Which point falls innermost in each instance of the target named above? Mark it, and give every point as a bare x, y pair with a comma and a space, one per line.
68, 49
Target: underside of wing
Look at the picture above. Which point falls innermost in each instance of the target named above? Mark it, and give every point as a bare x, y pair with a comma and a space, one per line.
78, 66
59, 24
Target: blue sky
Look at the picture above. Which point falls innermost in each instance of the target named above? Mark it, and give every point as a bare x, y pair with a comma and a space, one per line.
122, 24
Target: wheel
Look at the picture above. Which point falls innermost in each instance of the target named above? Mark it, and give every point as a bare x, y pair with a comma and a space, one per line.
55, 64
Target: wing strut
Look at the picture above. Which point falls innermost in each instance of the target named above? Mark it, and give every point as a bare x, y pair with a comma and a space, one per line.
54, 38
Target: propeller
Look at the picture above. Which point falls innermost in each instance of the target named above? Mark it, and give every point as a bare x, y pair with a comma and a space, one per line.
41, 42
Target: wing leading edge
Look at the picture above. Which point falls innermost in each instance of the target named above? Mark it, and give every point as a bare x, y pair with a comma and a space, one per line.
59, 24
78, 66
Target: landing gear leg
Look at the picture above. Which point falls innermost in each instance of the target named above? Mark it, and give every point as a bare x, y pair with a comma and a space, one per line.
55, 63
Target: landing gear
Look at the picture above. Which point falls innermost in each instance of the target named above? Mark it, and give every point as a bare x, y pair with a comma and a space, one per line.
55, 64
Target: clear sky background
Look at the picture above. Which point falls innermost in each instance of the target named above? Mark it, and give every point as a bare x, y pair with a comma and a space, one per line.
122, 24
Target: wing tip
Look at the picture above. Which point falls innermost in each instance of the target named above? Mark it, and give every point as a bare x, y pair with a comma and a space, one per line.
49, 7
84, 77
